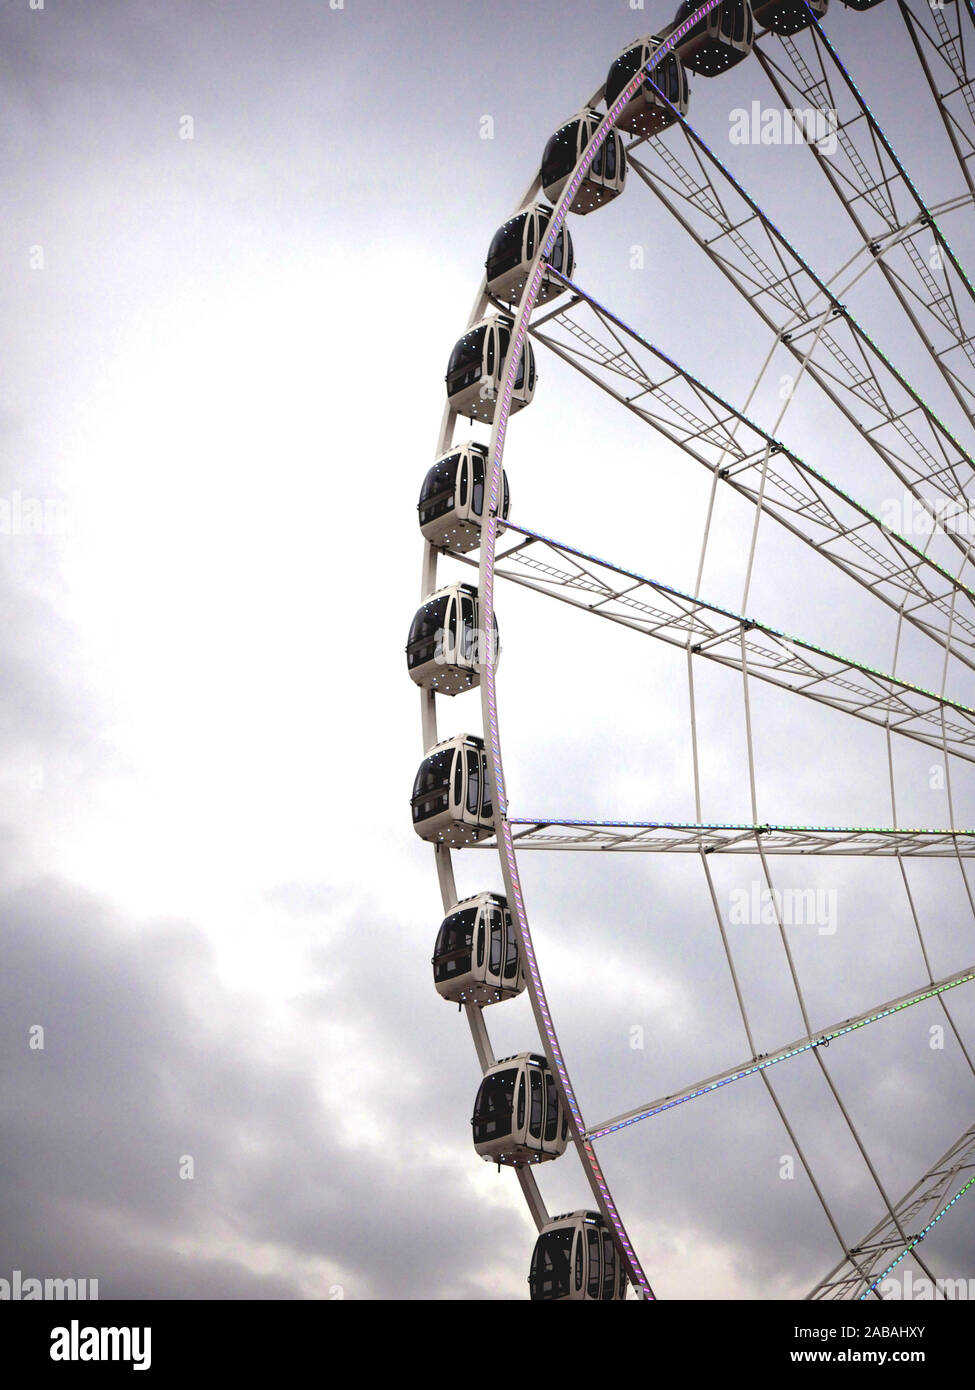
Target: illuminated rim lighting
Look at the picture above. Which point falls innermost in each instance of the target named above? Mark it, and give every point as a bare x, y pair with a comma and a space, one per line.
505, 844
823, 1041
918, 1238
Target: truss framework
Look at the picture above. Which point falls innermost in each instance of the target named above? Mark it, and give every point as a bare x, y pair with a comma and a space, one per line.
943, 40
738, 643
760, 468
882, 1249
684, 837
890, 215
805, 315
752, 1066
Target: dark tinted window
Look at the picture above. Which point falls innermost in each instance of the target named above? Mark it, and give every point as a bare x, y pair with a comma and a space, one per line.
473, 781
505, 252
535, 1113
467, 351
510, 949
437, 492
558, 251
493, 1106
487, 809
559, 158
552, 1109
592, 1250
426, 631
434, 774
622, 72
550, 1270
477, 497
452, 953
496, 959
469, 640
609, 1266
431, 787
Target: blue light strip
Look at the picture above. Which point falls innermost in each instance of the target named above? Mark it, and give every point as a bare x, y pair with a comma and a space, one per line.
755, 829
919, 1237
747, 622
758, 1066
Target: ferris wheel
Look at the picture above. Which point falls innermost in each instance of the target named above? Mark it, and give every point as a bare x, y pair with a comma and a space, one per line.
635, 130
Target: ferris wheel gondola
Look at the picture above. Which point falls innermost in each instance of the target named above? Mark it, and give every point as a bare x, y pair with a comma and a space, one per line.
647, 113
476, 368
789, 16
451, 505
575, 1260
519, 1117
476, 959
588, 1255
718, 41
443, 650
512, 252
606, 177
451, 799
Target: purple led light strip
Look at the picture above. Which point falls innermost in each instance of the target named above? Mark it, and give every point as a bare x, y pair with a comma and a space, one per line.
509, 865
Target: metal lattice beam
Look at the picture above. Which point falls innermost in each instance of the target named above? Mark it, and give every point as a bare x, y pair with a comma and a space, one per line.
738, 643
681, 837
943, 37
803, 312
753, 1066
882, 1249
760, 468
883, 202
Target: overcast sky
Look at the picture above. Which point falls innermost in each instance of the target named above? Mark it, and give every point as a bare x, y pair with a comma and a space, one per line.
239, 240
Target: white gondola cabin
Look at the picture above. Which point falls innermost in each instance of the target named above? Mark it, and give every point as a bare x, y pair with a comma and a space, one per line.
606, 175
576, 1260
476, 959
476, 369
647, 113
717, 42
451, 505
514, 248
452, 793
788, 16
518, 1116
443, 650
